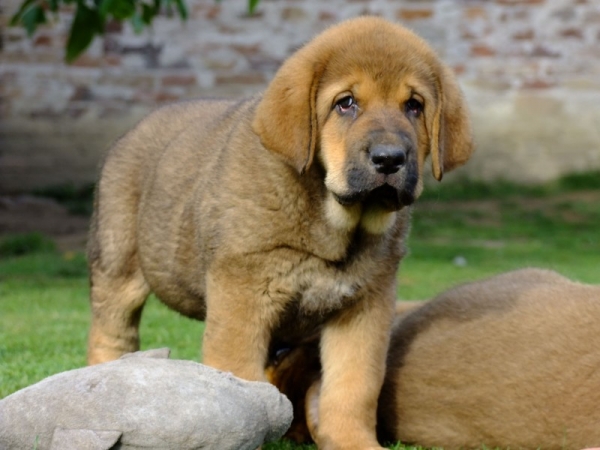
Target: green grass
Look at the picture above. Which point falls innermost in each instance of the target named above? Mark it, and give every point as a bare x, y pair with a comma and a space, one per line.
502, 227
21, 244
44, 313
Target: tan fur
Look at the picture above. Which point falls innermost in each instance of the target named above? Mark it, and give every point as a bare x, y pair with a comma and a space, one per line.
268, 219
509, 362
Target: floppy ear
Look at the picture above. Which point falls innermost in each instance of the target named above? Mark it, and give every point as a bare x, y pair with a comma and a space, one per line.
450, 136
286, 117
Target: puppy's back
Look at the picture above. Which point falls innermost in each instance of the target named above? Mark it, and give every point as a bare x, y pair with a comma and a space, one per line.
512, 360
129, 166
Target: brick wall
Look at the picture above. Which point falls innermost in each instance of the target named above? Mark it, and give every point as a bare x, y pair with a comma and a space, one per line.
530, 70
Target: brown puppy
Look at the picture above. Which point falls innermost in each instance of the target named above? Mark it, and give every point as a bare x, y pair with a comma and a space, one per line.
281, 215
511, 361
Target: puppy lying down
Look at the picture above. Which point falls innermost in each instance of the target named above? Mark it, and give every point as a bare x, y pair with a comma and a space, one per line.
510, 361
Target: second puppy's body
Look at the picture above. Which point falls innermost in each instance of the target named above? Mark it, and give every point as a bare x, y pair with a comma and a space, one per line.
508, 362
512, 361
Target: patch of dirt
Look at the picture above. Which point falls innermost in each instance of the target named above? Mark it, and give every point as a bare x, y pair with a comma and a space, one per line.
28, 214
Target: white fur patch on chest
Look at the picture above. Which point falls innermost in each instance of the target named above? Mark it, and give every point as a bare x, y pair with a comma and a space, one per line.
377, 221
344, 218
348, 218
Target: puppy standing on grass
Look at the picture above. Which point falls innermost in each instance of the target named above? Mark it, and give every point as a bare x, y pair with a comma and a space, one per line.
282, 215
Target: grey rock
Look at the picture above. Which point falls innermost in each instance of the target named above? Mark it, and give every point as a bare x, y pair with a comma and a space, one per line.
143, 400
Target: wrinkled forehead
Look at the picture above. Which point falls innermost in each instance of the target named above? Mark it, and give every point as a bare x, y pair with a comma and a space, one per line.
387, 61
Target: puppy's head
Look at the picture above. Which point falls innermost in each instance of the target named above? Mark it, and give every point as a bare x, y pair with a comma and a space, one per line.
369, 100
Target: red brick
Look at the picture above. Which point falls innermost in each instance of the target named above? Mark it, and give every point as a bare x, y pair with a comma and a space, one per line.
213, 12
241, 78
112, 60
42, 41
228, 29
414, 14
544, 52
517, 14
246, 50
128, 79
113, 26
114, 109
163, 97
459, 69
82, 93
538, 84
482, 50
293, 13
85, 60
111, 44
475, 12
142, 96
326, 16
592, 17
178, 80
520, 2
17, 35
571, 33
525, 35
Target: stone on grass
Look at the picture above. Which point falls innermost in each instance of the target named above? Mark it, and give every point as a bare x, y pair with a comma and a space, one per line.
143, 400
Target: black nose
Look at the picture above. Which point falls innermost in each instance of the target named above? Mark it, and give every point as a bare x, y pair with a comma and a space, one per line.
387, 158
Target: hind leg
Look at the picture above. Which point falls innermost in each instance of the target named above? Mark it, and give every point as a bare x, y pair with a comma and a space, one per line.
117, 303
118, 289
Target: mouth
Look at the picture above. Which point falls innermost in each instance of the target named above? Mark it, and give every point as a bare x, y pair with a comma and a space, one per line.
384, 197
349, 199
388, 198
384, 192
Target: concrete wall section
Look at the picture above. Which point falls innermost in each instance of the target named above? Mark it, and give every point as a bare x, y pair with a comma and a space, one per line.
530, 70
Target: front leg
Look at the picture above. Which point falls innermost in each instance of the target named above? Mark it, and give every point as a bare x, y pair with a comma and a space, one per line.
353, 353
239, 323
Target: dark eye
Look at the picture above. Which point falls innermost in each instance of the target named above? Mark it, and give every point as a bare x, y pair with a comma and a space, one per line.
345, 104
414, 107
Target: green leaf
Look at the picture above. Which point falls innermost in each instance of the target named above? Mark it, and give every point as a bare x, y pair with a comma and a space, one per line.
137, 22
252, 4
16, 19
150, 11
119, 9
106, 6
30, 15
54, 5
32, 18
183, 13
86, 24
147, 14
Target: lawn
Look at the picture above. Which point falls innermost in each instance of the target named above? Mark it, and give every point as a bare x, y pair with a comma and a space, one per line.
461, 232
